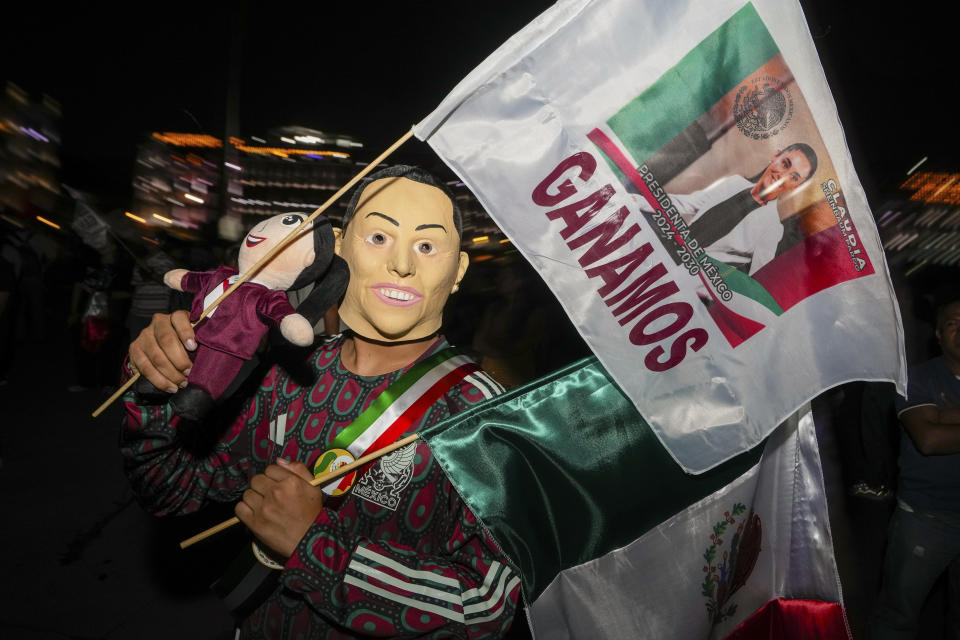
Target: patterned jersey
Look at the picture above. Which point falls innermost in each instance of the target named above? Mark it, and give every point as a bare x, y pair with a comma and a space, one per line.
401, 556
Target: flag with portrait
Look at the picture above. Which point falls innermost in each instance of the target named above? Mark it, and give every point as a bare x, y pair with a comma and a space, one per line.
677, 174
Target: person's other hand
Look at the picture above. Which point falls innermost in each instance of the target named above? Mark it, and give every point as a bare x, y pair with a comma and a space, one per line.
159, 353
280, 505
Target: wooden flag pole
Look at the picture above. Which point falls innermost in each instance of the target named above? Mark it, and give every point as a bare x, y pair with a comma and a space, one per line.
270, 254
321, 479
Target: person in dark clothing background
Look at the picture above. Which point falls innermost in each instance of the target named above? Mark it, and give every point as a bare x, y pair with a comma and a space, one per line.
924, 533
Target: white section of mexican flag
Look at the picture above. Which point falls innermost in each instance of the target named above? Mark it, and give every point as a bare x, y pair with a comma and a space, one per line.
560, 133
655, 587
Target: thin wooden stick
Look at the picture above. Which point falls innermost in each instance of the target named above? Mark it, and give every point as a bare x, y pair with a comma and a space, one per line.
323, 479
249, 273
116, 394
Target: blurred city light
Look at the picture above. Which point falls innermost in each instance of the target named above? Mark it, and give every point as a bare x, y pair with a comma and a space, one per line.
133, 217
48, 223
283, 151
13, 221
934, 187
188, 139
162, 219
190, 196
917, 166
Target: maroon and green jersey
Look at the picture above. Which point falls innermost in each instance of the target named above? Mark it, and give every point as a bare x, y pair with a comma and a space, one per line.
400, 556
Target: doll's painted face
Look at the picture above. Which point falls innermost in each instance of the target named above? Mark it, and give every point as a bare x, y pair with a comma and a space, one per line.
284, 267
404, 255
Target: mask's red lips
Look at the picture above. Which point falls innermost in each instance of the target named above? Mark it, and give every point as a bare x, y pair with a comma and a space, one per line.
253, 240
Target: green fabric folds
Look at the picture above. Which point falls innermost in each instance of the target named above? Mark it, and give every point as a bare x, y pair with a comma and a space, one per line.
564, 470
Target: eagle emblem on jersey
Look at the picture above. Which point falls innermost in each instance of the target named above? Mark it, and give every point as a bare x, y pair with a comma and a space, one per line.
385, 481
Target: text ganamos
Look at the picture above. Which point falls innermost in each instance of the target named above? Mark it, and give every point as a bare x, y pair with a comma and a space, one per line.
639, 301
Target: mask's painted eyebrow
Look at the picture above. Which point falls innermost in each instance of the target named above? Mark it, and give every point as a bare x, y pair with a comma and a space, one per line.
431, 226
385, 217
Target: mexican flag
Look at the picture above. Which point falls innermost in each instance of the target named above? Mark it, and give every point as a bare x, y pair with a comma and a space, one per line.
614, 540
677, 174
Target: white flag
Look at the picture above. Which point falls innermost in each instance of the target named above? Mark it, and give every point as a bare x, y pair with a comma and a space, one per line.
89, 226
677, 173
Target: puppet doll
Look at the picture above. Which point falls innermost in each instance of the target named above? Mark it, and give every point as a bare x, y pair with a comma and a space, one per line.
231, 333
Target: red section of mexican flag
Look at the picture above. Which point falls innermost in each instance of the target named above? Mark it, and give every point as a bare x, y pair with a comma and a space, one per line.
787, 619
819, 262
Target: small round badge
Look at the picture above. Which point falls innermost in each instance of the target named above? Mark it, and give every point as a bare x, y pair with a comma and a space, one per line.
331, 461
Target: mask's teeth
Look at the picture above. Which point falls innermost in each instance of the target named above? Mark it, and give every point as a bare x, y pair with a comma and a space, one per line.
394, 294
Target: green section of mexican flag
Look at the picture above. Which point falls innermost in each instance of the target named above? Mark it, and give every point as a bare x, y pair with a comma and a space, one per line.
702, 77
564, 470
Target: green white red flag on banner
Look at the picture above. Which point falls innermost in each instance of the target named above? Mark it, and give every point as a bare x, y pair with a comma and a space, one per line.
677, 174
614, 540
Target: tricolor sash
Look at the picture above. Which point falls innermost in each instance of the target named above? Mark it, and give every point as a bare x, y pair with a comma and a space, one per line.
392, 413
252, 576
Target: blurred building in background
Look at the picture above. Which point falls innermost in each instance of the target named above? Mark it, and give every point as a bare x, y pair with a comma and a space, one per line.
481, 236
178, 181
921, 228
177, 184
294, 169
29, 154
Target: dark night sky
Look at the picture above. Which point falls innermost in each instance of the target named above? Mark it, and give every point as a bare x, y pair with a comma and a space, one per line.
372, 72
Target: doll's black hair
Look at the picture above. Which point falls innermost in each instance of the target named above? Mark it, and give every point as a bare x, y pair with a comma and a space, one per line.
328, 273
323, 245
